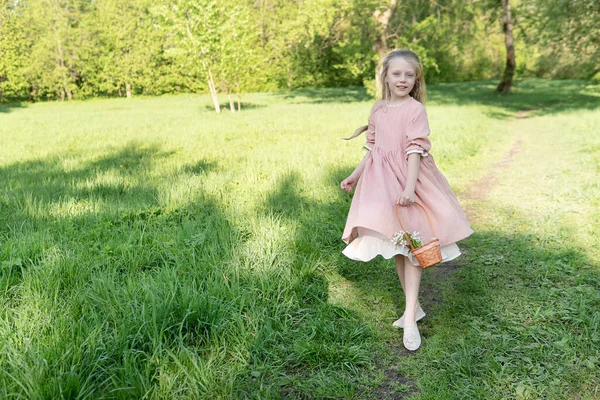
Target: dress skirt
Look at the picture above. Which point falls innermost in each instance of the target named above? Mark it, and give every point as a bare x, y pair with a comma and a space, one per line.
369, 244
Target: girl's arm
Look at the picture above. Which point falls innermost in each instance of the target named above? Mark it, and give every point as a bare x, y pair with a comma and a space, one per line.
348, 183
414, 165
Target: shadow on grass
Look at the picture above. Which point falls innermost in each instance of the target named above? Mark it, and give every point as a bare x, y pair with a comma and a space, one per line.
326, 95
342, 342
8, 107
540, 96
511, 297
201, 167
516, 305
161, 289
120, 175
122, 283
225, 107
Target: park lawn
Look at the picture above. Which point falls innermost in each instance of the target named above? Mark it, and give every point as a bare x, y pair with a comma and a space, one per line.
152, 248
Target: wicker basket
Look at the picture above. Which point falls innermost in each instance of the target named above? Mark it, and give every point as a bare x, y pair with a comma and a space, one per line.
429, 254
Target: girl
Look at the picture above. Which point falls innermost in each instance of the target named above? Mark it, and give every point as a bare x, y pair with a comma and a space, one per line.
398, 170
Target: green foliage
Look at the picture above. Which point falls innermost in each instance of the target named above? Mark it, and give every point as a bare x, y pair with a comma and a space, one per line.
126, 49
60, 49
568, 36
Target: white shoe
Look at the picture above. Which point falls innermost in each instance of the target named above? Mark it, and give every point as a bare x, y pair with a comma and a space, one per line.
411, 338
399, 323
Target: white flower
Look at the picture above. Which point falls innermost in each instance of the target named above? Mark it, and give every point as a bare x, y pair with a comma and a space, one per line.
398, 239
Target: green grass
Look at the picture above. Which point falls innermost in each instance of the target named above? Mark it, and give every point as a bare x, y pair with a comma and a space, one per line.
150, 248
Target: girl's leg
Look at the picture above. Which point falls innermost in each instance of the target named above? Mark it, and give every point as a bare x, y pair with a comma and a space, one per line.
399, 259
412, 282
400, 269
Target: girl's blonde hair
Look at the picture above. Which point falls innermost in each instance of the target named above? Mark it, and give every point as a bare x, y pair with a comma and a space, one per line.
418, 92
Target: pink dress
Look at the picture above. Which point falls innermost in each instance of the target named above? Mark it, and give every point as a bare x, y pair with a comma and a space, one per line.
393, 133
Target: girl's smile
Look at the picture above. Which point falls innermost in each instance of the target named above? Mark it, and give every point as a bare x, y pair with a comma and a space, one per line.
400, 78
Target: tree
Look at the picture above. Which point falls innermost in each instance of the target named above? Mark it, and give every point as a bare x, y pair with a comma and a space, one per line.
566, 35
54, 39
126, 45
12, 48
380, 45
509, 71
193, 31
239, 53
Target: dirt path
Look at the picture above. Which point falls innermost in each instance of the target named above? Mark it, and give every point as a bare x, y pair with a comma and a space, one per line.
481, 188
478, 190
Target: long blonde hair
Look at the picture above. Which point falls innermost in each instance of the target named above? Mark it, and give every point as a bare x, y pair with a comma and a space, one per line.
418, 92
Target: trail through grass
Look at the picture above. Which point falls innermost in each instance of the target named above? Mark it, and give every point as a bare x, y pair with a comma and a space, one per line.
153, 249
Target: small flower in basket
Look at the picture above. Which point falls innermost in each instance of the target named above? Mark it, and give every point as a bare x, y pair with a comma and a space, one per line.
399, 239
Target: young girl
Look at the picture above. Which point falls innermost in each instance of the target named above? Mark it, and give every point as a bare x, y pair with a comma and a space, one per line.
398, 170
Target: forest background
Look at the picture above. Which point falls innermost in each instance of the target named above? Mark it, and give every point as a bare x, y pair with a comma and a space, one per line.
75, 49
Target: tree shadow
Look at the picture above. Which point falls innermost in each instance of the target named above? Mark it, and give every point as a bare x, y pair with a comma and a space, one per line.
163, 282
201, 167
540, 96
501, 281
120, 175
225, 107
129, 280
284, 200
535, 96
341, 341
8, 107
516, 303
354, 94
94, 197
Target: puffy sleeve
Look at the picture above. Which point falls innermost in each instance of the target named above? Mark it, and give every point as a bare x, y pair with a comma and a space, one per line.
417, 134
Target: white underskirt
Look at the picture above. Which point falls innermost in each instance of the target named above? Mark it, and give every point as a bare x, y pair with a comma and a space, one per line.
369, 244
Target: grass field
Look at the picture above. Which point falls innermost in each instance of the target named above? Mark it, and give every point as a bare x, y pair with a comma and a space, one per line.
150, 248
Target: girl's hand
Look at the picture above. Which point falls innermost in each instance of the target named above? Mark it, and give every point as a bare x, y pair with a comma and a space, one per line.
348, 183
406, 198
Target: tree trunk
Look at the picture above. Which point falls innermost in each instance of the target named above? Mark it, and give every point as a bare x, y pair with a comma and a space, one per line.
231, 105
128, 90
120, 93
506, 83
213, 91
60, 64
380, 46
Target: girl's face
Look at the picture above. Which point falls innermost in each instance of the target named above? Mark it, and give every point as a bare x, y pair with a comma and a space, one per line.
400, 78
